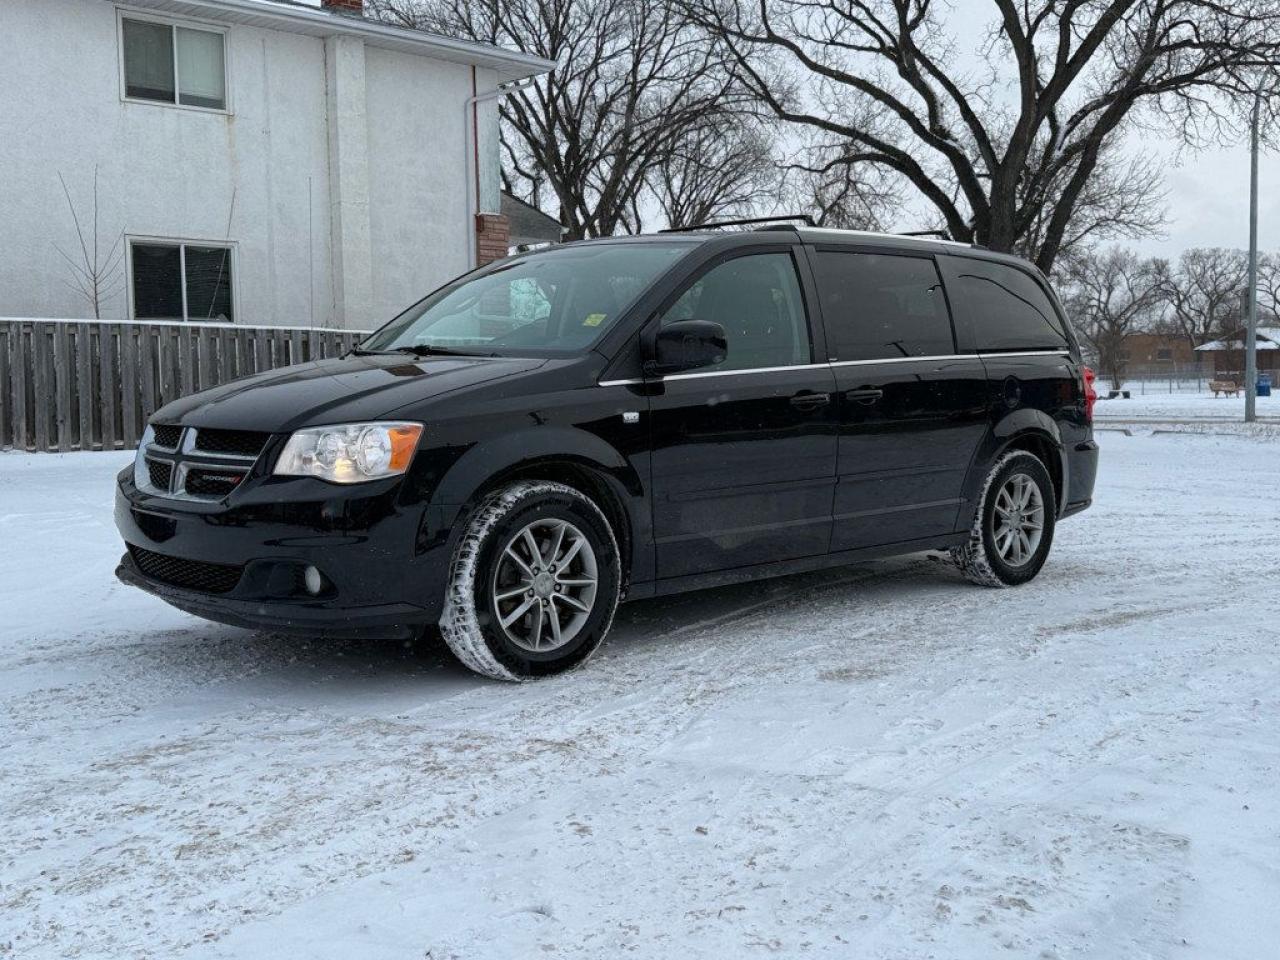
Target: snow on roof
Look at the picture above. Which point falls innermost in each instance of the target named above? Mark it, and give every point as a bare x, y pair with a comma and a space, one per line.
1268, 339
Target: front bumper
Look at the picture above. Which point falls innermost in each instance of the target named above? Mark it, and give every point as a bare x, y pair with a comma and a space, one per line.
384, 563
278, 615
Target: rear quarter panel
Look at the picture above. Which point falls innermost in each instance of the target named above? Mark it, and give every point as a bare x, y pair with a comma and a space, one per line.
1037, 392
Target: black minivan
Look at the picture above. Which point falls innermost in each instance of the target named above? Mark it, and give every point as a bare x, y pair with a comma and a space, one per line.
535, 441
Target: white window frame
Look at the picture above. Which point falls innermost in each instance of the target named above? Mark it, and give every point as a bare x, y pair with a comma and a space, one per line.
131, 238
128, 13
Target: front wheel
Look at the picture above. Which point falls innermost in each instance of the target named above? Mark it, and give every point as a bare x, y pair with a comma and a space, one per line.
1013, 528
534, 582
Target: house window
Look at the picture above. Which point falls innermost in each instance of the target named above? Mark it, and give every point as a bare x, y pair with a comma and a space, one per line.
168, 63
181, 281
1123, 356
1164, 353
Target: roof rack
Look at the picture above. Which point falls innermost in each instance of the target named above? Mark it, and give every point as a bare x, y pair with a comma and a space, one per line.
940, 234
744, 222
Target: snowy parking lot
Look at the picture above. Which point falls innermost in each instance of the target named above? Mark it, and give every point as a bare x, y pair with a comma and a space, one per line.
1160, 405
877, 762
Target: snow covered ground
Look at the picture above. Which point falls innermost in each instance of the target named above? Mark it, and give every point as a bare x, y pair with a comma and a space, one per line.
1185, 406
878, 762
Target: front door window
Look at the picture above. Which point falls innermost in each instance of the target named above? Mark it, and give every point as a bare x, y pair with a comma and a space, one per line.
758, 302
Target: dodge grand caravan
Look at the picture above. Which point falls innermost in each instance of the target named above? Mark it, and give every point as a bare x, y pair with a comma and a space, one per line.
532, 442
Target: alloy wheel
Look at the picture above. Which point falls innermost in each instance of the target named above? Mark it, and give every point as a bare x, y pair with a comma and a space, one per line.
1018, 525
544, 585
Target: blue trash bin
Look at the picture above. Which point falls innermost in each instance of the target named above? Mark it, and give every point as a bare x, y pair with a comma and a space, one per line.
1264, 384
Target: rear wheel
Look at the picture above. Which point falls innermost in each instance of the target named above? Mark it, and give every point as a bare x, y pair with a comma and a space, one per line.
1013, 529
534, 583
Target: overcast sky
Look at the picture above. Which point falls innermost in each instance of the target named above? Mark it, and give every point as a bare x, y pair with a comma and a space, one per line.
1208, 196
1207, 199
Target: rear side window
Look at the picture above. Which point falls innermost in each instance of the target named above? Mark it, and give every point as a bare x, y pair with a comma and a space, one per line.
880, 307
1003, 307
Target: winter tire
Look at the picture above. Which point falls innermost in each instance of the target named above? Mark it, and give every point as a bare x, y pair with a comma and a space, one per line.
534, 582
1013, 528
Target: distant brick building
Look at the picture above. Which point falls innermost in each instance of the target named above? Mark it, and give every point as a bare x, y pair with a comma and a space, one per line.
1149, 349
1226, 357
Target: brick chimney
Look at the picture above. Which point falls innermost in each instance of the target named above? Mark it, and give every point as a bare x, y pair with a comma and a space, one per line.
355, 7
493, 237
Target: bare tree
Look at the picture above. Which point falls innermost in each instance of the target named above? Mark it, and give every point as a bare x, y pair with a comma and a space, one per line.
1012, 171
840, 194
95, 275
1204, 292
1112, 294
1269, 288
631, 77
717, 169
1125, 198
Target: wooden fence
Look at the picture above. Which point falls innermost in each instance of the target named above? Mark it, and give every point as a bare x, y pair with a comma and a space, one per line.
89, 385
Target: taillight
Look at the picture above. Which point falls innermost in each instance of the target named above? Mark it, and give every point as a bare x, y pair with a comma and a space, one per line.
1090, 394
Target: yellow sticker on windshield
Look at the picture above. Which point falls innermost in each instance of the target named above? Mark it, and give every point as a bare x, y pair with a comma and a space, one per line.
594, 319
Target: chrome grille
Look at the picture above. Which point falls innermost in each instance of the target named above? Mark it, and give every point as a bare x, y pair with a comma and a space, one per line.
211, 483
200, 464
160, 472
240, 443
167, 435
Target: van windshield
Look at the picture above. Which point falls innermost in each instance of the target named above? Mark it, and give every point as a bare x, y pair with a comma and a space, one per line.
555, 302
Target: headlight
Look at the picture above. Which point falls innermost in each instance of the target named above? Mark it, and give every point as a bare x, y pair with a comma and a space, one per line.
350, 452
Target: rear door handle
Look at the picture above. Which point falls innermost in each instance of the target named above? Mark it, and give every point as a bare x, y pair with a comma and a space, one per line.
865, 394
810, 401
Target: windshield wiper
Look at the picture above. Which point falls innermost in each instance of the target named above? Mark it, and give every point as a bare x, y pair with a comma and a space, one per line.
419, 350
431, 350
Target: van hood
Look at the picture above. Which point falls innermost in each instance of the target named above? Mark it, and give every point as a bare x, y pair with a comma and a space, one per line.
339, 390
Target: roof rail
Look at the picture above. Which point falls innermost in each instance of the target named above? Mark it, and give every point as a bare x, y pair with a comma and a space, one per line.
744, 222
940, 234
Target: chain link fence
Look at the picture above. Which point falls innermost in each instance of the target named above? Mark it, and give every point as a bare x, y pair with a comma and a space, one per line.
1144, 379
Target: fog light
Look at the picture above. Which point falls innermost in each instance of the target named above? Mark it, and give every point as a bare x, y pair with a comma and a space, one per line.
313, 581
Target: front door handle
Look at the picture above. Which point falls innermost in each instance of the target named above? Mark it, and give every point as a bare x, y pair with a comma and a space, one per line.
810, 400
865, 394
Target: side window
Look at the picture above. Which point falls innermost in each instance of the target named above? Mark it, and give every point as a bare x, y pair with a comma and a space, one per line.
181, 281
879, 307
167, 63
1004, 308
757, 300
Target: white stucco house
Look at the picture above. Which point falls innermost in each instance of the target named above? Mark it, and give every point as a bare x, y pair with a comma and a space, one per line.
260, 161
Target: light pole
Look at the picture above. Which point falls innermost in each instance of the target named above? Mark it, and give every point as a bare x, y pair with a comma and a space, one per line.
1251, 330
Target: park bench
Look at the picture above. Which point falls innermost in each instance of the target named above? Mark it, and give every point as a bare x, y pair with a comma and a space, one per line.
1228, 387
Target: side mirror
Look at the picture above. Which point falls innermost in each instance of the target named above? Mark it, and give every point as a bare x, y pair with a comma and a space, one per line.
687, 345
